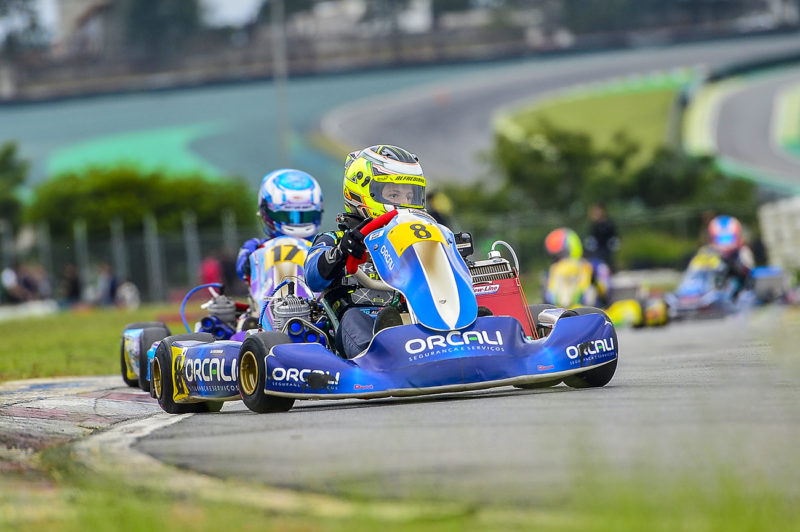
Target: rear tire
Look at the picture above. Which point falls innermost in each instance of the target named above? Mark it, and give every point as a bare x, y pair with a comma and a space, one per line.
538, 385
136, 382
252, 373
535, 310
598, 377
163, 385
149, 335
133, 383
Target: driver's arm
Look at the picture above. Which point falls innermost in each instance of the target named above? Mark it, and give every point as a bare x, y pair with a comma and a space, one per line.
325, 262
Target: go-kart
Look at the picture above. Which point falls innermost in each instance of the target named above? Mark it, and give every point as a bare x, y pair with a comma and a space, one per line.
271, 265
445, 346
707, 291
570, 284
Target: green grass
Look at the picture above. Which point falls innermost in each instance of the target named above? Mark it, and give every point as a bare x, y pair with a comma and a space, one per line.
79, 342
65, 497
643, 115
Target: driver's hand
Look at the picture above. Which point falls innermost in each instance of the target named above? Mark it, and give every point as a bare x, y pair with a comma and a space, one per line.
352, 243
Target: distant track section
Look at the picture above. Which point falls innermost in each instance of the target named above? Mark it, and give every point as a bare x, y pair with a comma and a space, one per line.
449, 123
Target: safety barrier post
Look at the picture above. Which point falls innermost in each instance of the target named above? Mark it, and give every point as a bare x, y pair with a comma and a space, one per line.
155, 272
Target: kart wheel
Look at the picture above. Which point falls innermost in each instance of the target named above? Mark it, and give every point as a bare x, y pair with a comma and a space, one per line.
134, 383
538, 385
214, 406
149, 335
252, 373
535, 310
598, 377
163, 377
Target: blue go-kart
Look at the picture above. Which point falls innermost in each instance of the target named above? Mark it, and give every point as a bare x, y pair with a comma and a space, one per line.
271, 266
443, 346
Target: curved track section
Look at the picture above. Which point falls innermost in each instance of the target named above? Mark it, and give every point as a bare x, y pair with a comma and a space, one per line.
746, 128
448, 124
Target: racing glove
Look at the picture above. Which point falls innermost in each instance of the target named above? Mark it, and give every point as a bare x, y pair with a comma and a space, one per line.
351, 244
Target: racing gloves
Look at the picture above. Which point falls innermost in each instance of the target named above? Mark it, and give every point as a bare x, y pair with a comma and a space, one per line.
351, 244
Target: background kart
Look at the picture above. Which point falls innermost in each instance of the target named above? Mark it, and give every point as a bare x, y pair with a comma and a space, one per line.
271, 265
706, 291
445, 346
570, 284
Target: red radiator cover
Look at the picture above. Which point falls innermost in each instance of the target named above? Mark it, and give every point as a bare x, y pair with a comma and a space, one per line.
504, 297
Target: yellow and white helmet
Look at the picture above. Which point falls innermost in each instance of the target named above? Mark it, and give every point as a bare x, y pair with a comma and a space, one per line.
379, 178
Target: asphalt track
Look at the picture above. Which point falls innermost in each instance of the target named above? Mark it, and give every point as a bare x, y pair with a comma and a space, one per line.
448, 124
745, 129
689, 403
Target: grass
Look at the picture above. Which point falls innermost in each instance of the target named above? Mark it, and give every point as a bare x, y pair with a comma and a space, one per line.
79, 342
643, 113
65, 497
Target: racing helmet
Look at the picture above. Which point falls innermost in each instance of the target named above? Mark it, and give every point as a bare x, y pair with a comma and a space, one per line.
379, 178
290, 203
563, 243
725, 233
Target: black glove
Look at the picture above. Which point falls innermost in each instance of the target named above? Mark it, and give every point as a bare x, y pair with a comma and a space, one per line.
332, 263
352, 242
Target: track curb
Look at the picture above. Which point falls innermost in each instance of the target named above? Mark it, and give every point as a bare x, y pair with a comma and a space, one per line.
112, 453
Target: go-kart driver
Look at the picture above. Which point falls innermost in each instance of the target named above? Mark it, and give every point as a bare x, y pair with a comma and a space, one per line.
725, 237
564, 247
289, 204
376, 180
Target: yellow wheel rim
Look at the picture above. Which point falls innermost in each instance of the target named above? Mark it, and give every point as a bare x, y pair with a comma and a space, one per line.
157, 378
248, 373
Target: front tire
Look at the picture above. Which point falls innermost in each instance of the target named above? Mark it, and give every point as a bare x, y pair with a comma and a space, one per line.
253, 372
163, 371
597, 377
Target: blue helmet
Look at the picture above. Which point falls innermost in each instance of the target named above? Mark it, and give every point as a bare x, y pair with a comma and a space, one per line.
725, 234
290, 203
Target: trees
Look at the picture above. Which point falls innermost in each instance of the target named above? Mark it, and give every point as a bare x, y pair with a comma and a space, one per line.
99, 195
13, 173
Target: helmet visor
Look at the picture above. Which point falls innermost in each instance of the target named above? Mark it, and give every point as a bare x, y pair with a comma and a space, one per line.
398, 194
295, 217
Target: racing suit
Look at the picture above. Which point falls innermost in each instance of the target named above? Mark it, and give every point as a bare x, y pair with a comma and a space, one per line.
739, 262
243, 258
353, 304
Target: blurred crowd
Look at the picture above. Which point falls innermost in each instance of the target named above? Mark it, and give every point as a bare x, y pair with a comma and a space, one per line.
26, 282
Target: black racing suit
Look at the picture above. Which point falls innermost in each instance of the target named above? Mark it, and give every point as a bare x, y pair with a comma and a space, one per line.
353, 304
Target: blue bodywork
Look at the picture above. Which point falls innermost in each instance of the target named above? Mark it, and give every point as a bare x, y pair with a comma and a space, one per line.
446, 348
410, 360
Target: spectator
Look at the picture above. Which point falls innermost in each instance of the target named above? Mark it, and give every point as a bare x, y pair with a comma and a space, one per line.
106, 287
210, 270
13, 287
70, 286
603, 239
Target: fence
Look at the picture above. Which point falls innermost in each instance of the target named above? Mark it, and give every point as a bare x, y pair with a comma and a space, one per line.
161, 265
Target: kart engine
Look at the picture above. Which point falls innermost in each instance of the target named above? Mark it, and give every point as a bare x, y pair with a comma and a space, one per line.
221, 319
288, 307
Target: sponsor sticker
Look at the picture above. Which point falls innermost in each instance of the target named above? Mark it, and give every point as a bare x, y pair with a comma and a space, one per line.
591, 349
436, 344
485, 289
